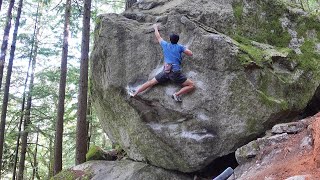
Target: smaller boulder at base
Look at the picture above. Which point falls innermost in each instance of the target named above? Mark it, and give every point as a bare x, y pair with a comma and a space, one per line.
124, 169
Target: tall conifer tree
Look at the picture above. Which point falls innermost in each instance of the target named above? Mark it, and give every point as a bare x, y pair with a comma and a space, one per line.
62, 89
27, 120
82, 132
34, 39
8, 79
5, 40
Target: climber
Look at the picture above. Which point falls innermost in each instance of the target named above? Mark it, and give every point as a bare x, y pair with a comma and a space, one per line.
172, 67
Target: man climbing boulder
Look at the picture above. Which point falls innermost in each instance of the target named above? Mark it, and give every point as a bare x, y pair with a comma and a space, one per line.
172, 67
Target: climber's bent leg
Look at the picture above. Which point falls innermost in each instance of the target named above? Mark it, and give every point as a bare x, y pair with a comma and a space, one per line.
145, 86
188, 86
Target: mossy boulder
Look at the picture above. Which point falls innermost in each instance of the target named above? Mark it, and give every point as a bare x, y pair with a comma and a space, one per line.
248, 77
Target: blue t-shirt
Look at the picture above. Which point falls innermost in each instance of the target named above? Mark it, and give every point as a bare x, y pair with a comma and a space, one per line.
172, 54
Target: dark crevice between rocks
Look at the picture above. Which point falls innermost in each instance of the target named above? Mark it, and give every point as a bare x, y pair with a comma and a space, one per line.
218, 166
283, 63
313, 106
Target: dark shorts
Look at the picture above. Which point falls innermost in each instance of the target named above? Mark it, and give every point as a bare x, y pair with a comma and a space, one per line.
176, 77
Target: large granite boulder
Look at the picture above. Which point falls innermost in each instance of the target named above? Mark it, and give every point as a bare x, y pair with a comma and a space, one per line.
245, 83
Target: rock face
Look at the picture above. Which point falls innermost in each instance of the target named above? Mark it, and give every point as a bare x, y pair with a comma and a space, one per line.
119, 170
245, 83
282, 156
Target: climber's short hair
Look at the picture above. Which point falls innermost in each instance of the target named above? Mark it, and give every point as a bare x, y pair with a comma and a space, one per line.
174, 38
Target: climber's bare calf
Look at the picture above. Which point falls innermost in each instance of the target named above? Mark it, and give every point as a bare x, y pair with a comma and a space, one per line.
188, 86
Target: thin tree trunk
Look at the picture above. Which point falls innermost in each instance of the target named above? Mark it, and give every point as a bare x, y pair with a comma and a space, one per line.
24, 96
89, 123
31, 156
62, 89
24, 139
20, 124
51, 161
8, 79
82, 131
129, 3
35, 163
0, 4
4, 47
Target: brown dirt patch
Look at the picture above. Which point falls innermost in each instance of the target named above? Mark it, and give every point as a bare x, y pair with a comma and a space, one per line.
291, 159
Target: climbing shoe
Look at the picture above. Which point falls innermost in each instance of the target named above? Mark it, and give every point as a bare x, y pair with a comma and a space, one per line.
131, 92
176, 98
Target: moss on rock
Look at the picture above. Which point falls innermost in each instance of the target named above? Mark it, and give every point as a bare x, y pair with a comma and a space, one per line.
261, 55
65, 175
263, 24
95, 153
309, 59
272, 101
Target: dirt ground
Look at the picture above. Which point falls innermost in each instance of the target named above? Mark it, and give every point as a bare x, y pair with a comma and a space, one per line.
291, 160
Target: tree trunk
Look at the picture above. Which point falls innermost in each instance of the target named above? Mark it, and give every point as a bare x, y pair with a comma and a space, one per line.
24, 139
4, 46
24, 95
0, 4
35, 163
129, 3
82, 132
89, 123
62, 88
20, 124
51, 161
8, 79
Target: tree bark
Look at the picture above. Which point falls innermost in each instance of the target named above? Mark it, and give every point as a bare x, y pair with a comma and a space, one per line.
4, 45
129, 3
51, 160
35, 163
24, 94
20, 125
82, 132
89, 123
8, 78
24, 139
62, 88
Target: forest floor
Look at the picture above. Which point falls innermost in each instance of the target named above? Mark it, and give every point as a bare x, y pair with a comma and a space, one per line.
290, 160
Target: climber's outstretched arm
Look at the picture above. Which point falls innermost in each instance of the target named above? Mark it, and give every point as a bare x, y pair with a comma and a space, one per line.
156, 32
